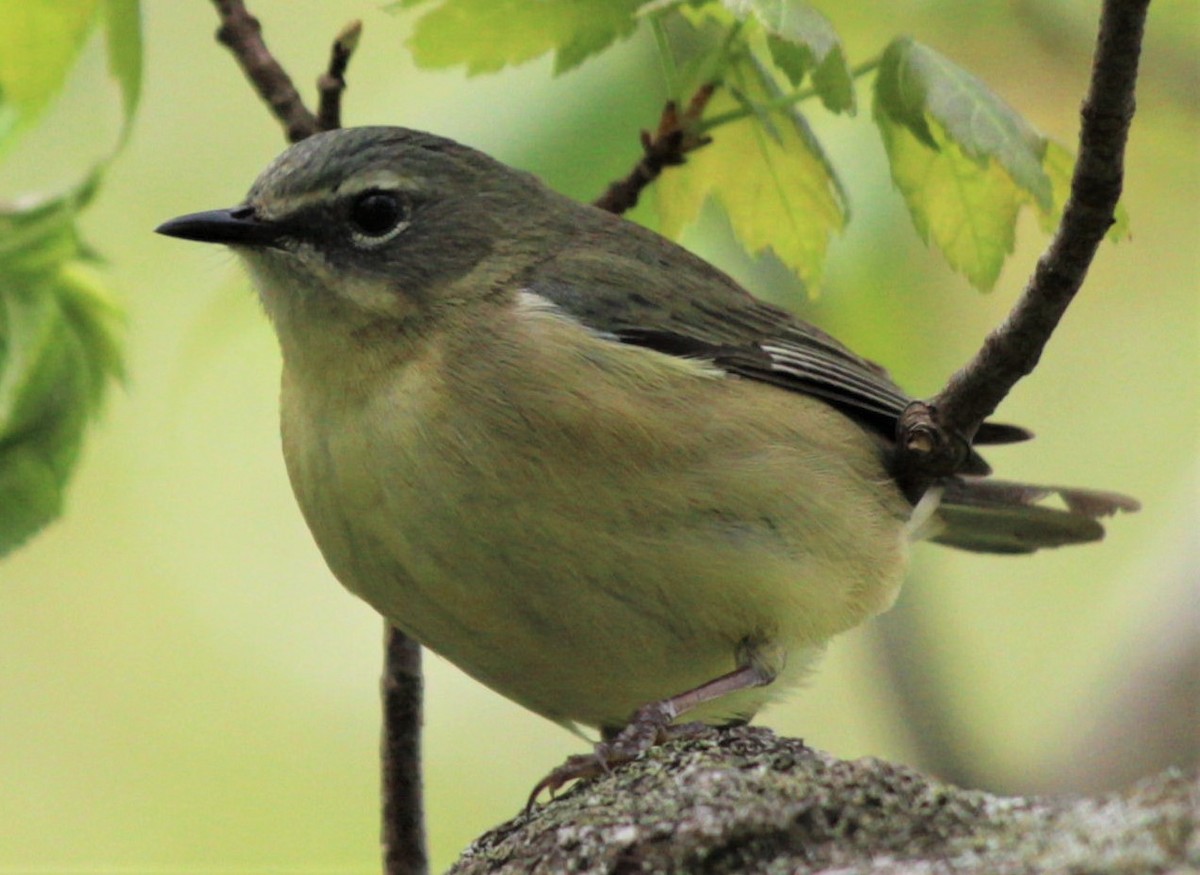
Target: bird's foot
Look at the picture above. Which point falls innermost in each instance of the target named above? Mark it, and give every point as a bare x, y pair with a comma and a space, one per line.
651, 725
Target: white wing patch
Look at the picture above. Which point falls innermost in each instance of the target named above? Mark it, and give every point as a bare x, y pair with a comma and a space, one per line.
531, 305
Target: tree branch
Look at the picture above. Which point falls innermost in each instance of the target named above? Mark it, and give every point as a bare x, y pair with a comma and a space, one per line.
404, 851
932, 436
744, 800
241, 33
676, 136
332, 82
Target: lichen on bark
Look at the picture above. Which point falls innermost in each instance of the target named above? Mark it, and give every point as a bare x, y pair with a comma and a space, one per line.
746, 801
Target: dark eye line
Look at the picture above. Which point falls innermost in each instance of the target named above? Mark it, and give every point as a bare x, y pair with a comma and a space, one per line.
304, 225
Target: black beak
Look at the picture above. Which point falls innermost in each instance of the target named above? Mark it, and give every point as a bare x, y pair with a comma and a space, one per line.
235, 227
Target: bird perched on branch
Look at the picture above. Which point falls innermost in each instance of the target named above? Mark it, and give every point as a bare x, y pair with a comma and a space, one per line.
572, 457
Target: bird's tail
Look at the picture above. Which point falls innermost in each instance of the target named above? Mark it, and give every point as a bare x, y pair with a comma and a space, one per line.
996, 516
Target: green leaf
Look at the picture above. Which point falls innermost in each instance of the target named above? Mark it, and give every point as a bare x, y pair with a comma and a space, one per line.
123, 23
963, 160
58, 352
36, 239
801, 42
40, 400
967, 208
775, 183
487, 35
835, 83
39, 43
58, 325
96, 320
915, 86
699, 54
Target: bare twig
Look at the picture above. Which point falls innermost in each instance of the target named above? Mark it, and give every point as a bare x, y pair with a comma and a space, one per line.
332, 82
404, 850
676, 136
932, 436
401, 686
241, 33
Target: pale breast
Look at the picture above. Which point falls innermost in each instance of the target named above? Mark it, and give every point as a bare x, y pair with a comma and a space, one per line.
586, 526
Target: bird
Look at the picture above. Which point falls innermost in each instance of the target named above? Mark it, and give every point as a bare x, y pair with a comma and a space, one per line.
572, 457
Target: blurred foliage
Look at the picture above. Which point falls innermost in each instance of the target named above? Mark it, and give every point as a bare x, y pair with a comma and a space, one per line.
783, 197
58, 341
488, 35
803, 43
964, 161
40, 42
58, 350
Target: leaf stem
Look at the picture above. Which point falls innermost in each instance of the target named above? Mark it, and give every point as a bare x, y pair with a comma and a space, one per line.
724, 56
781, 102
669, 69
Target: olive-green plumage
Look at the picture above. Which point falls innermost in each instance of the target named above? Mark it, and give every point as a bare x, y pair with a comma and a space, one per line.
565, 453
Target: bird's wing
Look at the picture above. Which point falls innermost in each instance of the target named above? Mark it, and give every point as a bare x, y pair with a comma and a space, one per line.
716, 320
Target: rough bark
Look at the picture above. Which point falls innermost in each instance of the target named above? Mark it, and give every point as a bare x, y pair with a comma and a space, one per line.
746, 801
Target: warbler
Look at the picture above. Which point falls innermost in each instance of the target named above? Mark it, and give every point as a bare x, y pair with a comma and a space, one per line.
570, 456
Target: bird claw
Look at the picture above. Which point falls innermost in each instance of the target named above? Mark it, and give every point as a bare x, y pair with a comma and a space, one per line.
577, 767
650, 726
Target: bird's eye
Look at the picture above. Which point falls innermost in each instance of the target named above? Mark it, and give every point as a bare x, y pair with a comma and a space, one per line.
377, 215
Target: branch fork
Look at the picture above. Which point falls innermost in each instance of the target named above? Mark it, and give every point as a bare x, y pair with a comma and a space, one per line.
677, 135
241, 33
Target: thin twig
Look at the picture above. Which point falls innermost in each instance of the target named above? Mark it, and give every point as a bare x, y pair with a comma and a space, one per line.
933, 436
403, 836
241, 33
783, 101
404, 851
675, 137
332, 82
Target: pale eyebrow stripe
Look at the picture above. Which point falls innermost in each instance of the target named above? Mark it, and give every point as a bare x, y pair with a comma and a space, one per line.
385, 180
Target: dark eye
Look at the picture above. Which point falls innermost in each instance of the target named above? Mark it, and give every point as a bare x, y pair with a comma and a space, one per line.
376, 213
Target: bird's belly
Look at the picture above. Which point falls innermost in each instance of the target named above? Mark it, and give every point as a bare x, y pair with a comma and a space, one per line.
587, 582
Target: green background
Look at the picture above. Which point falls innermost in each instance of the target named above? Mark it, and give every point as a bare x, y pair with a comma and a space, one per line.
183, 686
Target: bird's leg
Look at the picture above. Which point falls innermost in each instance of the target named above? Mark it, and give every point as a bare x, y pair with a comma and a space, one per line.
650, 725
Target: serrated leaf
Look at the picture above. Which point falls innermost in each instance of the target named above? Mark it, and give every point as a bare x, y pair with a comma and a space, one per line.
835, 83
487, 35
40, 41
779, 191
801, 42
968, 209
123, 23
916, 86
58, 351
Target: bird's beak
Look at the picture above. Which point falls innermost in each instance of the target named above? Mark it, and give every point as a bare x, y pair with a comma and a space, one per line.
234, 227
